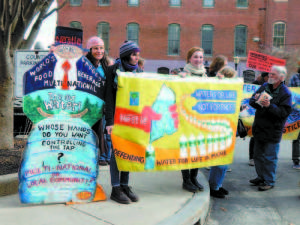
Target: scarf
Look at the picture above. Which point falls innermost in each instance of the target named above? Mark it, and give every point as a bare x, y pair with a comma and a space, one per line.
193, 71
127, 67
269, 89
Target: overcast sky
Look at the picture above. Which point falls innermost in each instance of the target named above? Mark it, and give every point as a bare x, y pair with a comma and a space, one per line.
47, 31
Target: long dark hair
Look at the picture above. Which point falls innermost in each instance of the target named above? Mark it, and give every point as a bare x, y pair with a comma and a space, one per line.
103, 61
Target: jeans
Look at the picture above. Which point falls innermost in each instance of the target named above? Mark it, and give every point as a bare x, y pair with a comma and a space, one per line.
216, 176
106, 155
117, 177
265, 159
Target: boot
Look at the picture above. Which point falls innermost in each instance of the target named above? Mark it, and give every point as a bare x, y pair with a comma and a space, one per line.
130, 194
197, 184
187, 183
119, 196
194, 173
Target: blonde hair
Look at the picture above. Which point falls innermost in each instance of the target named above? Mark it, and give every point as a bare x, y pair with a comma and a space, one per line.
192, 51
228, 72
141, 61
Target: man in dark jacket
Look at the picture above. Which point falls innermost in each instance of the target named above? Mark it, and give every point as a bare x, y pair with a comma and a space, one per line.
295, 82
273, 104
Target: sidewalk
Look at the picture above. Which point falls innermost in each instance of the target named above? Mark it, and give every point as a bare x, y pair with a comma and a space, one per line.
162, 201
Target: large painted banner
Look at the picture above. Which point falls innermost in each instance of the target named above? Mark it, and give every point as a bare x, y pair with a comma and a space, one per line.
166, 122
63, 97
292, 125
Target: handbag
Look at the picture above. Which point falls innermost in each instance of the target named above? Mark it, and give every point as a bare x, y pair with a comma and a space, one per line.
241, 130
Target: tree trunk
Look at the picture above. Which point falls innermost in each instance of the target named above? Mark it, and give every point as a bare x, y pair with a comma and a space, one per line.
6, 100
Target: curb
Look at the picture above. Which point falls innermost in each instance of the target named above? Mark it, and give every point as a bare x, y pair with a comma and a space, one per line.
9, 184
196, 210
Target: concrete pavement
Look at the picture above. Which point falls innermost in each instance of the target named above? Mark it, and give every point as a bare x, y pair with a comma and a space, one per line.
162, 201
248, 206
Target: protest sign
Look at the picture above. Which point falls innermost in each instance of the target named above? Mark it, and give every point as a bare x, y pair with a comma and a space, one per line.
249, 76
292, 125
262, 62
63, 97
23, 61
175, 123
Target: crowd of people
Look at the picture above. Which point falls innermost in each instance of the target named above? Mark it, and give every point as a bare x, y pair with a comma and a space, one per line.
272, 102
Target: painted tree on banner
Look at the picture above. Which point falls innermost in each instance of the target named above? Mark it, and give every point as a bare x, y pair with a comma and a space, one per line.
16, 17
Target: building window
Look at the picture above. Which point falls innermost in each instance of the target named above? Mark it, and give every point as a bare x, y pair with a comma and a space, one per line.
133, 32
75, 24
173, 39
103, 33
279, 34
208, 3
207, 39
242, 3
75, 2
175, 2
103, 2
240, 41
133, 2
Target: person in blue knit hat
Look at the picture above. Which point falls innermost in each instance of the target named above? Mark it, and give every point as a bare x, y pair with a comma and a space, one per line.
128, 62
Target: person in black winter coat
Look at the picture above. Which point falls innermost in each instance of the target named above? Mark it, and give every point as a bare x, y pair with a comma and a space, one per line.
273, 104
128, 62
261, 79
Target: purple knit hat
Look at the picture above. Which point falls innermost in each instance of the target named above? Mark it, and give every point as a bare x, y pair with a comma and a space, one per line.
127, 48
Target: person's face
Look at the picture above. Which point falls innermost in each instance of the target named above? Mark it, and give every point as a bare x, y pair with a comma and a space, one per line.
197, 59
274, 77
98, 51
134, 58
266, 78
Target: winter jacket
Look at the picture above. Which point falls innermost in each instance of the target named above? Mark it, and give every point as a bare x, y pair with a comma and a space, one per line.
111, 91
269, 121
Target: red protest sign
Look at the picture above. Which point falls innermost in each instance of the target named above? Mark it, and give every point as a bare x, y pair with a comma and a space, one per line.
262, 62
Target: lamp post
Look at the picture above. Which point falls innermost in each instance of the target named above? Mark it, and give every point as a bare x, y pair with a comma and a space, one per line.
236, 60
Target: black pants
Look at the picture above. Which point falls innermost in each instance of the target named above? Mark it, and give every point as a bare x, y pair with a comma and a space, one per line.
296, 151
189, 174
251, 148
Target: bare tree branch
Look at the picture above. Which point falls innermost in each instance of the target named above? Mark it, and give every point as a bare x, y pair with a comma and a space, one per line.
57, 9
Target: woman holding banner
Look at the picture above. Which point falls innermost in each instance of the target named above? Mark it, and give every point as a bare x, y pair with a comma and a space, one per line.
99, 59
194, 67
128, 62
217, 173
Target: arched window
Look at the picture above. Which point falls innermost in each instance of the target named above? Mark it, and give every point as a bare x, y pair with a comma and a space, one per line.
103, 33
175, 2
133, 2
208, 3
242, 3
240, 41
174, 39
103, 2
207, 39
75, 2
75, 24
279, 34
133, 32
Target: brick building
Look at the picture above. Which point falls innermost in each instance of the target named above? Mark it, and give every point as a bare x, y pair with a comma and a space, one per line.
165, 30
